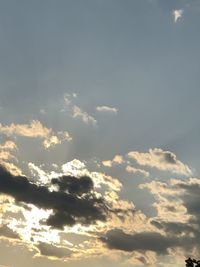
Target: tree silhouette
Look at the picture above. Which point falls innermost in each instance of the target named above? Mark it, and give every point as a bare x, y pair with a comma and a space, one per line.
192, 262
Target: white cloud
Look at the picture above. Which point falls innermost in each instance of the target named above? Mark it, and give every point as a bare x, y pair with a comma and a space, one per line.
35, 129
6, 156
78, 168
106, 109
107, 163
8, 145
76, 112
162, 160
177, 14
117, 160
133, 170
55, 140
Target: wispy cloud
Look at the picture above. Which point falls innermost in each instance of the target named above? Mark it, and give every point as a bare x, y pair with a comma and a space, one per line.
77, 112
177, 14
84, 116
106, 109
35, 129
133, 170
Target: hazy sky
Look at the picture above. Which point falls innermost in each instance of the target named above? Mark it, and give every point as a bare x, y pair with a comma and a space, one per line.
99, 133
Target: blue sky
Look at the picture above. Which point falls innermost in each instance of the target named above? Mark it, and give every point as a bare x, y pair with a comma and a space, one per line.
107, 89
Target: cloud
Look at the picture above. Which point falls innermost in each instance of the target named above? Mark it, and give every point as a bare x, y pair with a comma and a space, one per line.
78, 168
117, 160
71, 200
8, 145
106, 109
173, 228
68, 208
55, 140
35, 130
73, 185
133, 170
107, 163
168, 205
76, 112
177, 14
51, 141
177, 205
5, 231
6, 156
144, 241
53, 251
162, 160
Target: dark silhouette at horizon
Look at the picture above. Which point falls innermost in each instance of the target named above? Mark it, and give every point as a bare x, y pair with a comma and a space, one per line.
192, 262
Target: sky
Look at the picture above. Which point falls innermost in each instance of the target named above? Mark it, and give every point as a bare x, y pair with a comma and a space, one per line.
99, 133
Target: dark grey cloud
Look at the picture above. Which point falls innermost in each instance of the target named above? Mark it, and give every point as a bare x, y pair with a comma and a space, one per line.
7, 232
174, 228
117, 239
73, 185
53, 251
191, 199
75, 202
170, 157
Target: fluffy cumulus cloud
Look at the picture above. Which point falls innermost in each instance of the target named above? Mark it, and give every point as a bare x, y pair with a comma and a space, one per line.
106, 109
161, 160
154, 158
35, 129
117, 160
78, 168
